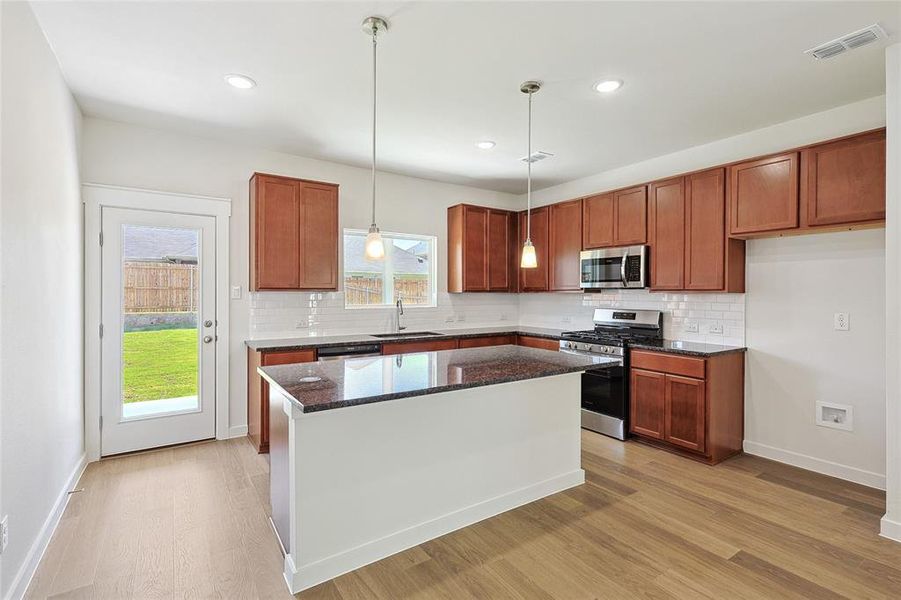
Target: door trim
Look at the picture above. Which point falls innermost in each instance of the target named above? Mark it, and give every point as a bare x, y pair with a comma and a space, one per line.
95, 197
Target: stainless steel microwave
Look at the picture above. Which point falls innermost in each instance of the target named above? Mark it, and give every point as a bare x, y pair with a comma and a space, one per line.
615, 268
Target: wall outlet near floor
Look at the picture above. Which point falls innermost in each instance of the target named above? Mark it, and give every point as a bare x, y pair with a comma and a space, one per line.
841, 321
691, 327
4, 533
717, 328
836, 416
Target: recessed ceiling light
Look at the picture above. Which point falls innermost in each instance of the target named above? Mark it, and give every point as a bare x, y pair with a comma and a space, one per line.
485, 145
242, 82
610, 85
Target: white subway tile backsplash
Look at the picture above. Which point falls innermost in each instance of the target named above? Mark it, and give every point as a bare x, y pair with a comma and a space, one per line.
290, 314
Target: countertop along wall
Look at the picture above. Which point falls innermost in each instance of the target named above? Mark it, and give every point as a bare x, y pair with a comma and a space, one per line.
779, 415
135, 156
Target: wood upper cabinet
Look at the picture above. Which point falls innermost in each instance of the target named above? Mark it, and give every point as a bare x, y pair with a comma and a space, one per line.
685, 412
666, 233
565, 244
764, 194
535, 280
479, 248
705, 235
615, 219
844, 181
293, 234
647, 394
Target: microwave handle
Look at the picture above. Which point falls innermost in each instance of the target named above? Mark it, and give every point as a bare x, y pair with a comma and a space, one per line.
622, 268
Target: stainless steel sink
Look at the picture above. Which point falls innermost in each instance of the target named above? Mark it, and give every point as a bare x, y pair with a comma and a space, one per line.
404, 334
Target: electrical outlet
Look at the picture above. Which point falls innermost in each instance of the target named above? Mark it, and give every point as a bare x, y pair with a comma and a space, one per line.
841, 321
449, 319
301, 325
691, 327
566, 320
504, 316
4, 533
717, 328
461, 318
236, 292
836, 416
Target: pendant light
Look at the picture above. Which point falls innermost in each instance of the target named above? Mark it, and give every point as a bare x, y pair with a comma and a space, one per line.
375, 247
529, 259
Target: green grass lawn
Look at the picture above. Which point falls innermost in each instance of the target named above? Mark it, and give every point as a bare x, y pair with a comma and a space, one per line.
160, 364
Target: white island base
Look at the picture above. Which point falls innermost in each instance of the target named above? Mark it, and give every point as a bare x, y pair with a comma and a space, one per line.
365, 482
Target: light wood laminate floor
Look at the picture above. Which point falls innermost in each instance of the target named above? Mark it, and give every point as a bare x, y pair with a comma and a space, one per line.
191, 522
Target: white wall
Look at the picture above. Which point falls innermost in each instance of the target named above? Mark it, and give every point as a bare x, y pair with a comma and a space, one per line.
119, 154
41, 342
891, 523
796, 357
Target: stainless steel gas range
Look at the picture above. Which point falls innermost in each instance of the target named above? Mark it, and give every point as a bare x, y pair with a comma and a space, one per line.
605, 393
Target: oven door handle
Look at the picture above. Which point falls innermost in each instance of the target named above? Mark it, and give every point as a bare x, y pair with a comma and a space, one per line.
622, 268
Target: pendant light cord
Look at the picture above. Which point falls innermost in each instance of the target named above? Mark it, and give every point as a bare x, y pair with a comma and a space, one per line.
374, 82
529, 179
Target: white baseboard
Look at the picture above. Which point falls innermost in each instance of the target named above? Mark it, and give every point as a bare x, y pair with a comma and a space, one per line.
890, 529
307, 576
237, 431
33, 558
818, 465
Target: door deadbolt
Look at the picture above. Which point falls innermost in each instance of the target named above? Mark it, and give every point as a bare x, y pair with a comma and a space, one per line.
207, 323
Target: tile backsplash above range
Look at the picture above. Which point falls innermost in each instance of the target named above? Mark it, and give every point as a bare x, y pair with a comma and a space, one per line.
698, 317
715, 318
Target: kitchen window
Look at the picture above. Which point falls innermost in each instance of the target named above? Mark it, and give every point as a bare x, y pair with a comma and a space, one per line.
407, 272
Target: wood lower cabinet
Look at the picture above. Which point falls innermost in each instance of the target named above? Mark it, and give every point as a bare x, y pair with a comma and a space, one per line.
480, 245
293, 234
537, 342
844, 181
694, 406
258, 390
565, 244
535, 280
494, 340
615, 218
390, 348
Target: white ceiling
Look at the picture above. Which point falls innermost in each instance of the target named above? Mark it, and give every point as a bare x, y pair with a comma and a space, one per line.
449, 75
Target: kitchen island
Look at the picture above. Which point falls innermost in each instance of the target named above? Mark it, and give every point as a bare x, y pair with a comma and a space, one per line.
373, 455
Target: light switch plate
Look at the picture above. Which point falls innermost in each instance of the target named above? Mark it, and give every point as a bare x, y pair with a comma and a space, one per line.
841, 321
236, 292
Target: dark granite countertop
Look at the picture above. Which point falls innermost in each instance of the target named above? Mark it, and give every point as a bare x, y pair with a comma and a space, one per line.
299, 343
700, 349
328, 385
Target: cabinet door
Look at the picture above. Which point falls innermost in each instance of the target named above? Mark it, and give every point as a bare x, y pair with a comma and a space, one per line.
318, 236
666, 233
565, 245
705, 230
535, 280
647, 393
764, 194
424, 346
685, 412
275, 233
258, 391
500, 242
845, 180
597, 221
630, 216
475, 249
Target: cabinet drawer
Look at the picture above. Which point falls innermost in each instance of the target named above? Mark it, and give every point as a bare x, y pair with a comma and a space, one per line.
424, 346
537, 342
494, 340
668, 363
289, 357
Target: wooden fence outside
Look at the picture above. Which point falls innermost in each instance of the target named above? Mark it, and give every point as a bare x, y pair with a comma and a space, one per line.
366, 290
160, 287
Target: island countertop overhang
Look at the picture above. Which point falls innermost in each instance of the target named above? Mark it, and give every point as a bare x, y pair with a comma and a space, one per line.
341, 383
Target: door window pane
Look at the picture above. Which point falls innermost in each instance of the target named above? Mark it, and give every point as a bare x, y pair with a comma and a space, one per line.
160, 294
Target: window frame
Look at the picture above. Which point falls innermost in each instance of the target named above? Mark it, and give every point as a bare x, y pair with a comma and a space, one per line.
432, 273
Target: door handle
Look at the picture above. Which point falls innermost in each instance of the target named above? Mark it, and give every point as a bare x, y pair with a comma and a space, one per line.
207, 339
622, 268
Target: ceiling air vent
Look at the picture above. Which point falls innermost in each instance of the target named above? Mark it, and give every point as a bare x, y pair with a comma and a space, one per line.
536, 156
853, 40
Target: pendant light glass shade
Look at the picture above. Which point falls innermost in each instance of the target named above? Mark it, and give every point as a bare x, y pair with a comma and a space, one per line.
375, 247
529, 258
